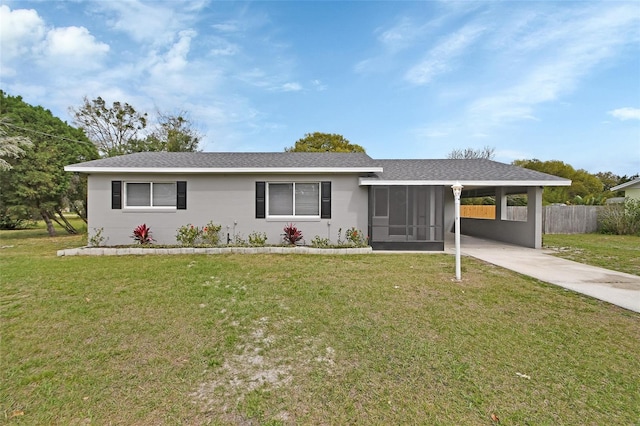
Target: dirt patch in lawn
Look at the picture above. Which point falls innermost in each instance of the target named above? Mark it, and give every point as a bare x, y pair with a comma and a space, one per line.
258, 364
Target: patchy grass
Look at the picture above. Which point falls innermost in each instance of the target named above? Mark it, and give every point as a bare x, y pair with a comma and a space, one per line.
616, 252
294, 339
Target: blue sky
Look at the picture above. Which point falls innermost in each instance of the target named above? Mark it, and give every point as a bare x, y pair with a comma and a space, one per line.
546, 80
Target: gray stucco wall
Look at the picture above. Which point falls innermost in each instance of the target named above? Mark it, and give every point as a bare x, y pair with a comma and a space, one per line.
228, 200
527, 234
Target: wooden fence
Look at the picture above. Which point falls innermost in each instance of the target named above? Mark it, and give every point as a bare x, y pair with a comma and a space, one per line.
555, 219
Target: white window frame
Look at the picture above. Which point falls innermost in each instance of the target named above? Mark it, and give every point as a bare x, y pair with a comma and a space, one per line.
125, 191
293, 188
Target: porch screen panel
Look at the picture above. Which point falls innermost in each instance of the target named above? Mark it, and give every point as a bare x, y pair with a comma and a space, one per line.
307, 199
281, 199
397, 210
438, 219
381, 202
422, 213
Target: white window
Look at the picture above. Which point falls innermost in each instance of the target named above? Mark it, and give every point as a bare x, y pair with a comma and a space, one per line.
150, 194
294, 199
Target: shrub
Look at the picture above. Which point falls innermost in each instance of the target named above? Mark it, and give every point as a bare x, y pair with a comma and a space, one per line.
620, 219
355, 237
238, 240
291, 234
320, 242
257, 238
15, 217
188, 235
96, 239
142, 234
211, 233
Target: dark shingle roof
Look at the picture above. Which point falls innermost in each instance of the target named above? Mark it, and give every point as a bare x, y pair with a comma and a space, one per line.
434, 171
461, 170
218, 160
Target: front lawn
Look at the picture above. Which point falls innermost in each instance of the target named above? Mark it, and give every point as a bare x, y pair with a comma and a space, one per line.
617, 252
295, 339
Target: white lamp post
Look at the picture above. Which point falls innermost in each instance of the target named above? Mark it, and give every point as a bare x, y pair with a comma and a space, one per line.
457, 190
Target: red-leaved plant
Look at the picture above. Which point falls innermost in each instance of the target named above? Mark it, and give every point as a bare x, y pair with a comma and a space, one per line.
142, 234
291, 234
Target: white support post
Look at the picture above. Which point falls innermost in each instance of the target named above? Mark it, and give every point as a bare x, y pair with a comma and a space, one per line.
457, 191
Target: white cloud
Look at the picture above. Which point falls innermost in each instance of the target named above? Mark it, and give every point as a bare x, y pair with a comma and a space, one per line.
25, 36
73, 42
626, 113
155, 23
227, 27
401, 35
318, 85
551, 62
20, 30
222, 47
291, 87
439, 59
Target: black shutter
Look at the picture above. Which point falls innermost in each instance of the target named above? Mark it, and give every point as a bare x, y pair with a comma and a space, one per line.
116, 194
260, 200
325, 200
181, 201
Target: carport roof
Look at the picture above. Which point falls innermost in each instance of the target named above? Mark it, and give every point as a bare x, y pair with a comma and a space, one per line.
468, 172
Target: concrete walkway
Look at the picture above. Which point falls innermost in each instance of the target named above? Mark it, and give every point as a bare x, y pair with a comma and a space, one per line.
614, 287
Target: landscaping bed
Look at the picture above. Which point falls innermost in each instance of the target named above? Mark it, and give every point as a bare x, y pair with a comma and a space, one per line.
124, 251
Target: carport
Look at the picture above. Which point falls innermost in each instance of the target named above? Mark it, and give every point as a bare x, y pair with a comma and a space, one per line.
411, 205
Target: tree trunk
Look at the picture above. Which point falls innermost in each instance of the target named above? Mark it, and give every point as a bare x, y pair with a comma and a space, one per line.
47, 219
81, 212
66, 225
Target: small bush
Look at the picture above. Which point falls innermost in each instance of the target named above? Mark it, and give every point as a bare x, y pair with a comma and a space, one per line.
291, 234
15, 217
238, 240
320, 242
188, 235
356, 237
211, 233
96, 239
257, 239
142, 234
620, 219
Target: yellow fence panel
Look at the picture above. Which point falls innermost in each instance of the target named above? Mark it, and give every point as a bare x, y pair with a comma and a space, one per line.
478, 212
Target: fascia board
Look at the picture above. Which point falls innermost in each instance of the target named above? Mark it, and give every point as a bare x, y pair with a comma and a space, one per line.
626, 185
221, 170
467, 183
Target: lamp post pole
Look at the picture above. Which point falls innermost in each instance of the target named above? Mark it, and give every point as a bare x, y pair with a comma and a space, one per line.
457, 191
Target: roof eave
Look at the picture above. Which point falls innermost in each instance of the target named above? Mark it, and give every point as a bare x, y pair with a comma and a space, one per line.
626, 185
220, 170
474, 183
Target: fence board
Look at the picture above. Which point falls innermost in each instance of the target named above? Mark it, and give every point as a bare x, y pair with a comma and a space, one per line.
570, 219
555, 219
478, 212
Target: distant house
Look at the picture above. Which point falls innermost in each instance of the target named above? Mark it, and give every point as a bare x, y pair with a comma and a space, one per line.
401, 204
631, 189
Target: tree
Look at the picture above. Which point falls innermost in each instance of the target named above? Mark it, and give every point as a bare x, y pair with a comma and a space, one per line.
37, 185
10, 146
174, 133
585, 188
470, 153
111, 129
324, 142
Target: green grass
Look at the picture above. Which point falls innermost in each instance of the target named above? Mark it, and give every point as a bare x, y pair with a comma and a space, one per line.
616, 252
294, 339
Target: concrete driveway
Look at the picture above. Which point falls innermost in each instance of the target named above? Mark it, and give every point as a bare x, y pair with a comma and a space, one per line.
614, 287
